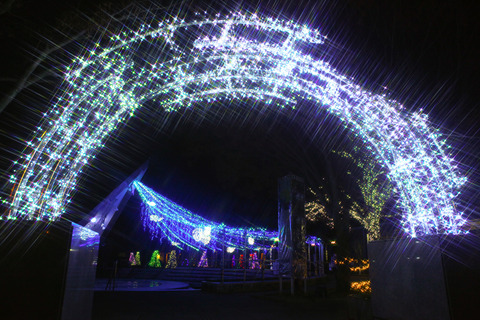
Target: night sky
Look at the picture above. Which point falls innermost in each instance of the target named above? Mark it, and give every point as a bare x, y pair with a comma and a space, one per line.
223, 162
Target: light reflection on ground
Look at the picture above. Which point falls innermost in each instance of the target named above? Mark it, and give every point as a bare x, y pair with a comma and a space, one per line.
140, 285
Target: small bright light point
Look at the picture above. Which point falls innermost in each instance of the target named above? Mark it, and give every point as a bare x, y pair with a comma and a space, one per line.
230, 249
251, 241
155, 218
151, 203
207, 230
93, 220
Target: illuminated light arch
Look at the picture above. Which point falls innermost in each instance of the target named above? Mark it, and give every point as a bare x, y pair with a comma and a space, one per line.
179, 63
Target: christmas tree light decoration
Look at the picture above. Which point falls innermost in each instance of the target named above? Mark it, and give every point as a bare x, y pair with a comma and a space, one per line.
138, 262
203, 263
172, 260
131, 259
230, 249
155, 260
186, 229
179, 63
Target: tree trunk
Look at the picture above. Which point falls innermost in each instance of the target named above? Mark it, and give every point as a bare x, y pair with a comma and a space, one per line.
341, 231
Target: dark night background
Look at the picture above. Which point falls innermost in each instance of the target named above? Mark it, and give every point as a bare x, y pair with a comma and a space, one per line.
223, 162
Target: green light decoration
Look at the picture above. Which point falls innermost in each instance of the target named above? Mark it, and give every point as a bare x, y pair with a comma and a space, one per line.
375, 189
155, 260
172, 260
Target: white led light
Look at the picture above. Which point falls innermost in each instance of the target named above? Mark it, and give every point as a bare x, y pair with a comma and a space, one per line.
202, 235
155, 218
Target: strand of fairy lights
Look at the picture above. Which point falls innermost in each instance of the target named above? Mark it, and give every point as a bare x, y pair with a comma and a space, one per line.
234, 57
164, 218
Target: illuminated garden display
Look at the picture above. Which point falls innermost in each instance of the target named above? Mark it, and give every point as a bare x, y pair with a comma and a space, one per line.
165, 219
177, 64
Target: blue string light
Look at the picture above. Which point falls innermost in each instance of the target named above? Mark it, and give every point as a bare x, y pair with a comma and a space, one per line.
164, 218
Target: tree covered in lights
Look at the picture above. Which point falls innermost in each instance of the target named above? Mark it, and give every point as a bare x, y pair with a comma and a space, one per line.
375, 191
203, 263
316, 211
138, 261
155, 260
172, 260
131, 259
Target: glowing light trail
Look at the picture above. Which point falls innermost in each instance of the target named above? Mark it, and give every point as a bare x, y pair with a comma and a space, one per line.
180, 63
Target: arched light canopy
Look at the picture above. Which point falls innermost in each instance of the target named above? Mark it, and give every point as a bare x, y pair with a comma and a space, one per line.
178, 63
